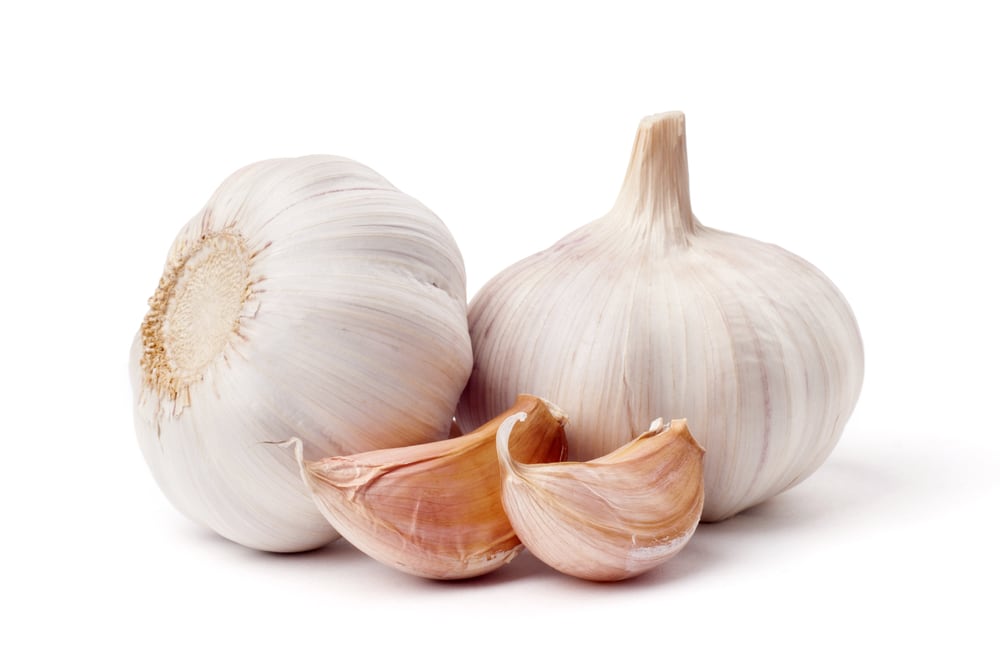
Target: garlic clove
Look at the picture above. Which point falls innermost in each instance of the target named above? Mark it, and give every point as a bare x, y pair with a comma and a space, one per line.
434, 509
611, 518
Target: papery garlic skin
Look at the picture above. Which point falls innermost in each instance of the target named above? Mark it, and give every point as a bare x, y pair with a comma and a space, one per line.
611, 518
646, 312
311, 298
434, 510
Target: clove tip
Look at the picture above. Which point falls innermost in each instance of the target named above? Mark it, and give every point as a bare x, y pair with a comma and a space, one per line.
293, 443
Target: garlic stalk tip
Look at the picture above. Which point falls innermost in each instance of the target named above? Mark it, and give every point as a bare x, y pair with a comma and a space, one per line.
655, 193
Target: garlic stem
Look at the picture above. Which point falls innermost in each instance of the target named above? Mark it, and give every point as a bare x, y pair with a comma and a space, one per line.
655, 202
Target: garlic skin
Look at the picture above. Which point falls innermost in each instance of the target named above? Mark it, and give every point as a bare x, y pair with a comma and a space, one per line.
434, 510
646, 312
309, 297
611, 518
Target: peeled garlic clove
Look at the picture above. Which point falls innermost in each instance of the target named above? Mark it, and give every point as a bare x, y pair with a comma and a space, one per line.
646, 312
611, 518
434, 510
308, 297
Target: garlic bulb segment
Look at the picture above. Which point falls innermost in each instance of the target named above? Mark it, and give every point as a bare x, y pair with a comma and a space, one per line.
434, 509
611, 518
308, 297
646, 312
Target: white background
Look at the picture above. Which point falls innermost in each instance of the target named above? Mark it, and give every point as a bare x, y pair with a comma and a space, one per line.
862, 136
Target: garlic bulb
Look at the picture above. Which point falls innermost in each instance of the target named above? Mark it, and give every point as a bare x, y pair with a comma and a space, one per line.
308, 298
434, 510
613, 517
646, 312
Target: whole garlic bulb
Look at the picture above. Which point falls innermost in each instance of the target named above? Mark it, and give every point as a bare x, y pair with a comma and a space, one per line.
649, 310
310, 299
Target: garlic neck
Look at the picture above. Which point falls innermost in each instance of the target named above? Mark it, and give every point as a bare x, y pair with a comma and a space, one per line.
654, 202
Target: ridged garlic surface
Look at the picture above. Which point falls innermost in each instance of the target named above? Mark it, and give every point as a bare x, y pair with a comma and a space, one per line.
646, 312
309, 298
